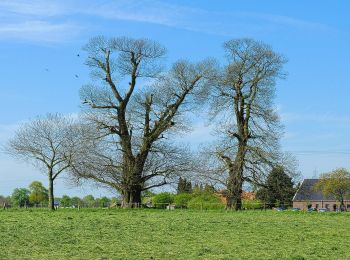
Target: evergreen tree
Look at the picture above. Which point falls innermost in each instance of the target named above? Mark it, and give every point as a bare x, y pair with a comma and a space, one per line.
279, 190
184, 186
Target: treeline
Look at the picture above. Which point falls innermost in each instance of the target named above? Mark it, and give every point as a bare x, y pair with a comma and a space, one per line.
277, 191
36, 195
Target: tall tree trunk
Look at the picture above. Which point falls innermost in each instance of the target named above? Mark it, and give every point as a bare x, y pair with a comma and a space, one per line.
134, 182
51, 197
133, 188
132, 197
234, 196
235, 181
136, 197
342, 205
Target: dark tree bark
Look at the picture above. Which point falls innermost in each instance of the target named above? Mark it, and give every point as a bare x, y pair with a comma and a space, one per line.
51, 194
136, 118
246, 120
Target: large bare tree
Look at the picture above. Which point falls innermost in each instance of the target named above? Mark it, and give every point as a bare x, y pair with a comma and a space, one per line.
246, 121
48, 143
136, 109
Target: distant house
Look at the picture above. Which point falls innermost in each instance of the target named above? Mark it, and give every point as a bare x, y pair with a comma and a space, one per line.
307, 197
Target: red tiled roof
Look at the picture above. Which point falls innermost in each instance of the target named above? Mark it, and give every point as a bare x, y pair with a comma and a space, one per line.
246, 195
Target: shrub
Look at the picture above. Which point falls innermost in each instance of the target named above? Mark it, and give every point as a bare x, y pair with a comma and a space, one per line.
161, 200
252, 204
205, 201
181, 200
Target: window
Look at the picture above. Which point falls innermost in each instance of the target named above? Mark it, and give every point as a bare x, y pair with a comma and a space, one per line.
316, 206
327, 206
348, 206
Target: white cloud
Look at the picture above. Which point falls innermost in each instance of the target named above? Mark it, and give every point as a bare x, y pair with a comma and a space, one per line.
139, 11
196, 19
32, 8
31, 20
40, 31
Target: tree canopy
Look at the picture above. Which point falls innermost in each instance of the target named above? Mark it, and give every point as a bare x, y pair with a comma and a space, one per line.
336, 184
38, 193
20, 197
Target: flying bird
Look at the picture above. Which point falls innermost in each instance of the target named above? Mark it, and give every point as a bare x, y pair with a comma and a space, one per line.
76, 76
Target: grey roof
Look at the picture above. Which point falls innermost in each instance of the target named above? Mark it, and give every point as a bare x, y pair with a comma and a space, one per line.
306, 192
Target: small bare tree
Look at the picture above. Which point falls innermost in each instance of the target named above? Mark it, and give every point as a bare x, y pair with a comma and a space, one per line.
242, 108
136, 110
47, 143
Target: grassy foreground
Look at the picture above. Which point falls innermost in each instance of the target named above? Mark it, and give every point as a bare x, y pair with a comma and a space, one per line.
179, 234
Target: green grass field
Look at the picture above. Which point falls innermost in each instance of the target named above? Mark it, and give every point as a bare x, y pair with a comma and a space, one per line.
179, 234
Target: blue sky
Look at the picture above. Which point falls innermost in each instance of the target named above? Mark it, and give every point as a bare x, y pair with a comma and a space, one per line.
40, 40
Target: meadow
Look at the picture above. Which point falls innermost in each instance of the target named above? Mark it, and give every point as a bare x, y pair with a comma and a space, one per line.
178, 234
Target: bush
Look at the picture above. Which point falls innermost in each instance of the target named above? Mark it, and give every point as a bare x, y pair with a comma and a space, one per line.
181, 200
252, 204
205, 201
162, 199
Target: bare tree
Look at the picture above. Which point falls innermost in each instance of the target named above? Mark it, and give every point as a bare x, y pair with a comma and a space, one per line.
134, 150
47, 143
247, 124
